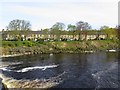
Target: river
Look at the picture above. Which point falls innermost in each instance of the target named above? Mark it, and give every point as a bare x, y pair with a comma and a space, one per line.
85, 70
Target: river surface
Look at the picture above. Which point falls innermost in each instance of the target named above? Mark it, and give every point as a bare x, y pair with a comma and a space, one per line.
90, 70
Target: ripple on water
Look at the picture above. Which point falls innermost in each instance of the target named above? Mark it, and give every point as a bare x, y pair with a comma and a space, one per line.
107, 78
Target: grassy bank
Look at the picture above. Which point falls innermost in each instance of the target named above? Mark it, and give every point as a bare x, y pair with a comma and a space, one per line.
30, 47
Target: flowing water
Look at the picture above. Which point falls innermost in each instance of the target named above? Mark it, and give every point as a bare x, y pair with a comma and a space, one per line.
86, 70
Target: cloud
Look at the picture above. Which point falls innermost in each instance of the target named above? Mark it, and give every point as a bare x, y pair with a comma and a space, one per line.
59, 1
96, 13
70, 12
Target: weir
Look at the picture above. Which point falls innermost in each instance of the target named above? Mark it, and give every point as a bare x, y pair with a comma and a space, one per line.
37, 83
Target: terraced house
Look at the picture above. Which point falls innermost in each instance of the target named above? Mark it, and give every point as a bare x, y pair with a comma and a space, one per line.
38, 35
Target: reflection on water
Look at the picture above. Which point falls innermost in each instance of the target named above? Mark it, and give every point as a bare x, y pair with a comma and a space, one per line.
95, 70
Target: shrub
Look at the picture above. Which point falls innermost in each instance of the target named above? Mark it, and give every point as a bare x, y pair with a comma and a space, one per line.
18, 43
28, 43
11, 44
7, 43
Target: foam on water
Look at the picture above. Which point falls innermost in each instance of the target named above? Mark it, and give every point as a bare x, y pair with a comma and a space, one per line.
112, 50
36, 67
30, 68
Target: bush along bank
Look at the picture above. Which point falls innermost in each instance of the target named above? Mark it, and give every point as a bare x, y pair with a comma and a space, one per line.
29, 47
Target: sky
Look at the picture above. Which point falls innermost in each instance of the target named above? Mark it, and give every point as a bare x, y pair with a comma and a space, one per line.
45, 13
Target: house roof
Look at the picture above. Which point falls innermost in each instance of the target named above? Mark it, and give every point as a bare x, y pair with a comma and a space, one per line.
42, 32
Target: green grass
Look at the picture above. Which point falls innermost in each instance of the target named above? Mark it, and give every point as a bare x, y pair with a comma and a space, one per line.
63, 44
18, 43
10, 47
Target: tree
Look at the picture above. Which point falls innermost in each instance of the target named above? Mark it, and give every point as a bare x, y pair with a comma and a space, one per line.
83, 27
56, 29
110, 32
46, 33
58, 26
104, 27
19, 25
56, 33
72, 29
118, 31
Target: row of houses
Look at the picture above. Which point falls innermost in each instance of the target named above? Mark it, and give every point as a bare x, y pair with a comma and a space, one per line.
35, 35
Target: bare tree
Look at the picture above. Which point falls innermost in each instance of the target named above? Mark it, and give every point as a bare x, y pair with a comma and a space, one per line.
17, 28
19, 25
83, 27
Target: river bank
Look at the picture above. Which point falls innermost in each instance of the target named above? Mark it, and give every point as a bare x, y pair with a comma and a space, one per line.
17, 48
14, 55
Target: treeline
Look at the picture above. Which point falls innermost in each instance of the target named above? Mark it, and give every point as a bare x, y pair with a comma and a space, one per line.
80, 28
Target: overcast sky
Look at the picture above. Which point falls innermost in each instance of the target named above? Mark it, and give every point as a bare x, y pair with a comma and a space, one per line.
45, 13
